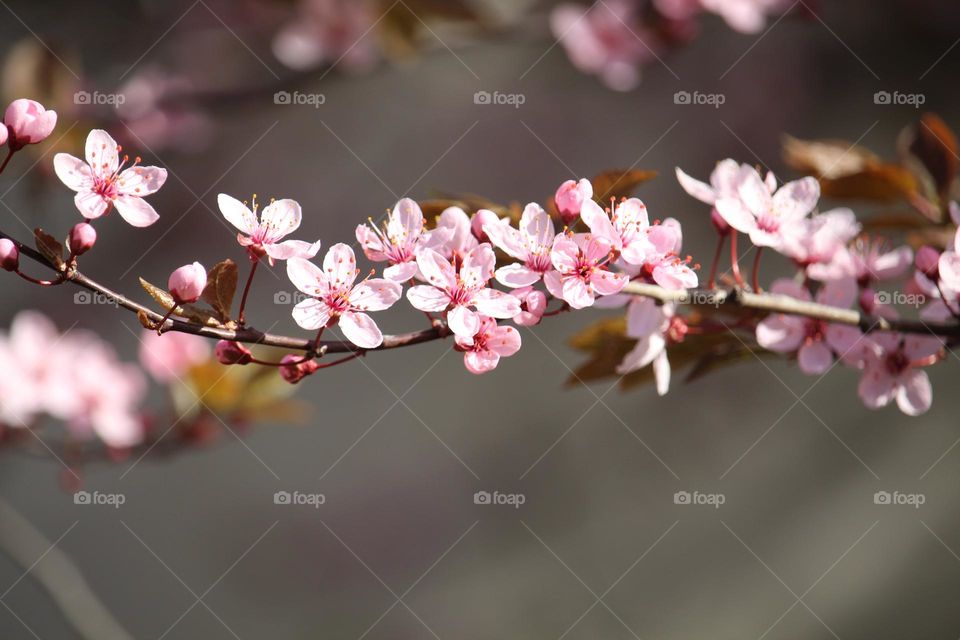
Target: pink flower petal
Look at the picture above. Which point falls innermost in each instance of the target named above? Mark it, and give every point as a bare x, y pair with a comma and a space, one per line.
436, 269
914, 395
311, 314
307, 277
480, 361
753, 192
577, 294
699, 190
101, 153
237, 214
781, 333
361, 330
280, 218
73, 172
141, 181
375, 294
136, 211
428, 298
292, 249
736, 215
463, 322
496, 304
340, 265
91, 205
517, 275
876, 387
599, 223
814, 358
796, 199
401, 272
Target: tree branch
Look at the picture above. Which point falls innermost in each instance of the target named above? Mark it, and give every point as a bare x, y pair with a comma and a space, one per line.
737, 298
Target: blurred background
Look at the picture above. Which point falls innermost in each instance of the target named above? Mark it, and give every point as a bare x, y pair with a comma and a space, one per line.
398, 443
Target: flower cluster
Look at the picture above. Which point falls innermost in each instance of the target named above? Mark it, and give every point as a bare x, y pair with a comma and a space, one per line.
836, 266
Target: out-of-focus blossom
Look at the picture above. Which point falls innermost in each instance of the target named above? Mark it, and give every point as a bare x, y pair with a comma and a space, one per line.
867, 261
398, 242
482, 350
948, 266
814, 242
9, 255
570, 197
75, 377
724, 183
27, 122
814, 341
650, 324
336, 32
766, 214
745, 16
462, 293
533, 304
186, 284
580, 273
604, 39
530, 244
100, 183
167, 357
262, 237
893, 370
335, 299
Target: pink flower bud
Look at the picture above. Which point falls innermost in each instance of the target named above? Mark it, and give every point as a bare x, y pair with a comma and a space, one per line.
186, 284
229, 352
570, 198
294, 373
480, 218
927, 261
719, 223
28, 122
868, 300
82, 238
9, 255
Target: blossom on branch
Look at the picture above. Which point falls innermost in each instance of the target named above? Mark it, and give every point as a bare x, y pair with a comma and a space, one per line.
482, 350
263, 237
102, 182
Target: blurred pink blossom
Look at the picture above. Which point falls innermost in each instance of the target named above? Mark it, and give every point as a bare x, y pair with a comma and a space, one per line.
169, 356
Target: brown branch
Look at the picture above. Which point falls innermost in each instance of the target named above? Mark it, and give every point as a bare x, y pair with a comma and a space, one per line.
700, 298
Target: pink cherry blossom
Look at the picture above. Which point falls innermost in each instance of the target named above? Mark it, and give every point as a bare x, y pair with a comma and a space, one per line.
95, 393
948, 265
25, 364
724, 181
167, 357
533, 304
650, 324
530, 244
459, 292
625, 228
453, 236
893, 370
866, 260
662, 264
330, 32
482, 218
600, 40
101, 181
398, 242
814, 341
262, 237
580, 272
570, 197
336, 300
482, 350
815, 242
745, 16
186, 284
27, 122
764, 213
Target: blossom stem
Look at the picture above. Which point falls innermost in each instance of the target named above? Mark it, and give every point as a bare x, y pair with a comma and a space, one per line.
163, 320
6, 161
734, 259
241, 319
712, 281
756, 270
563, 308
348, 358
42, 283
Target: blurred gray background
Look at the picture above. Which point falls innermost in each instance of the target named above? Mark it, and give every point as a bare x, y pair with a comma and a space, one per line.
400, 441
